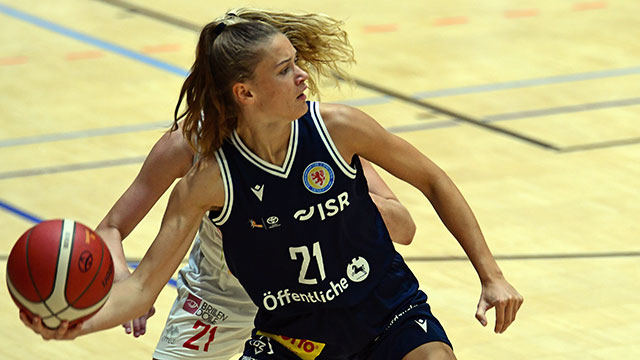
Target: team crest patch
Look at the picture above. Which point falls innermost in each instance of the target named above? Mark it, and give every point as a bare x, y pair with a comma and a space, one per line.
318, 177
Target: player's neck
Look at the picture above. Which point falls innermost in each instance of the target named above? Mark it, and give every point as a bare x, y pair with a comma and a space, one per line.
268, 141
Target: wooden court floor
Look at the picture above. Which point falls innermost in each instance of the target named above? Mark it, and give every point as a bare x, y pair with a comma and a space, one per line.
532, 108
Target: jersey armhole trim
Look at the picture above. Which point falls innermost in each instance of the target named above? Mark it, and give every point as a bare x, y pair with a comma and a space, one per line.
347, 169
227, 183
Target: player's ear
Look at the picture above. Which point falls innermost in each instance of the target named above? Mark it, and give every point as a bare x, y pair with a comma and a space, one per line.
242, 93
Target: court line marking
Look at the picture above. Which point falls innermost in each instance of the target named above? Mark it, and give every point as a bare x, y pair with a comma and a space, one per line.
71, 167
458, 116
82, 134
530, 256
600, 145
563, 109
65, 31
21, 213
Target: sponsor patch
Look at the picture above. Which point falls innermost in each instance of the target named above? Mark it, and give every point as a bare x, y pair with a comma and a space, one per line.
192, 304
203, 310
304, 349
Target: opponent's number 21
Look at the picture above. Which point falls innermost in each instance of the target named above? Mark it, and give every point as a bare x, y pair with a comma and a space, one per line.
212, 333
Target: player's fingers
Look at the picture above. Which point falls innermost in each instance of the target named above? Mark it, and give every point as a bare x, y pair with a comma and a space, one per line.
25, 320
39, 328
136, 327
152, 311
127, 327
481, 312
508, 314
61, 331
74, 331
143, 325
500, 310
517, 303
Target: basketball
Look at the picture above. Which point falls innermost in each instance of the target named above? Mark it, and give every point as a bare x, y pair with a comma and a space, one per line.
59, 270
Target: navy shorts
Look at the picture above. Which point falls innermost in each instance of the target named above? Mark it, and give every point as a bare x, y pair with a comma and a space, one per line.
410, 327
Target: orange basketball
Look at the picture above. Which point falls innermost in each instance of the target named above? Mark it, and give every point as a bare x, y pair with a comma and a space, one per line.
59, 270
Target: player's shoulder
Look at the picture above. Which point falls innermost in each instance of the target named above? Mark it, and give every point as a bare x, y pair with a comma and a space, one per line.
344, 122
204, 179
341, 115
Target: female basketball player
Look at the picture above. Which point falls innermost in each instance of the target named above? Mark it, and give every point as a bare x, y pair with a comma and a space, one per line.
283, 180
223, 304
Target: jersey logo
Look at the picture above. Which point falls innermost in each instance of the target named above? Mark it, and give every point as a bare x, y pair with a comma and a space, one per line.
318, 177
272, 222
325, 209
259, 345
192, 304
422, 323
257, 191
358, 269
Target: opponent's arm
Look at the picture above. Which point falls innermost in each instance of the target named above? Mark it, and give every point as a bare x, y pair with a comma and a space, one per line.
354, 132
396, 217
169, 159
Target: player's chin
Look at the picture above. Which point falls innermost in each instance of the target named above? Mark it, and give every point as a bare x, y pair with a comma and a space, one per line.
301, 108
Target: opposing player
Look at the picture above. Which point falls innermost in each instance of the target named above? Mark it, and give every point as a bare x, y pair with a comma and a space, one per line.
283, 180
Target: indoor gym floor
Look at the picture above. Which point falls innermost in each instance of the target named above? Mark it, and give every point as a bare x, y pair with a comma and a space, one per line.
532, 108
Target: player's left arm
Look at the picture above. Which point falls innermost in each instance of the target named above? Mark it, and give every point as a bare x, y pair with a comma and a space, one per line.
395, 215
355, 132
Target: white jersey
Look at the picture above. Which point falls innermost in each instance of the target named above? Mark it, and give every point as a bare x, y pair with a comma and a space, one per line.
212, 315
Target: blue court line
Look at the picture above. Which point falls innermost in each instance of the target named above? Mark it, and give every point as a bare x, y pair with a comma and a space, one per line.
35, 219
92, 40
377, 100
507, 85
21, 213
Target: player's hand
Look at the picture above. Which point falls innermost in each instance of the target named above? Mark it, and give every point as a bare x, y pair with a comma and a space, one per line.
500, 294
138, 326
63, 332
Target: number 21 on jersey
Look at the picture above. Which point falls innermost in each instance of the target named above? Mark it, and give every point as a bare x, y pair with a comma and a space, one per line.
303, 251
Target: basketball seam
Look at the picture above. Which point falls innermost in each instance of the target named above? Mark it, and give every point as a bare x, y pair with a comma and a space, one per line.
33, 283
71, 303
73, 239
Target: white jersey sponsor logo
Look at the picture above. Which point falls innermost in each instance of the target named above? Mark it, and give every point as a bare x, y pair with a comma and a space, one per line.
329, 208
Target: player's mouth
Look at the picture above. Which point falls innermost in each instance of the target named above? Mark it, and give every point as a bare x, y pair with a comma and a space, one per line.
302, 96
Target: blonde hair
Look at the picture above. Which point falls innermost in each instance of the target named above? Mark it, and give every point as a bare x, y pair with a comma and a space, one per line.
229, 53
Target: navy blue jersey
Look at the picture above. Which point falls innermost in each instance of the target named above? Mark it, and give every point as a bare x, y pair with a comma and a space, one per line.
305, 239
